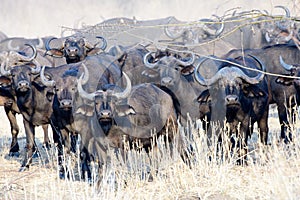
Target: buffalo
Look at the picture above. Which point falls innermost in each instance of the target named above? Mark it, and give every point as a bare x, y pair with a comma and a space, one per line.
138, 113
75, 48
285, 96
238, 97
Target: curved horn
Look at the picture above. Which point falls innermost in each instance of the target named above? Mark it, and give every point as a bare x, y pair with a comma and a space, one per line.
262, 66
147, 63
104, 42
199, 78
5, 72
260, 76
10, 47
44, 79
190, 61
40, 44
286, 66
33, 56
287, 11
220, 30
26, 58
171, 35
267, 37
82, 93
234, 72
86, 75
126, 92
47, 45
217, 32
37, 68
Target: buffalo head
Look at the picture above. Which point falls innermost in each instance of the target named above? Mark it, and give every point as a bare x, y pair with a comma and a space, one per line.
75, 49
169, 67
21, 76
230, 89
287, 79
64, 82
106, 100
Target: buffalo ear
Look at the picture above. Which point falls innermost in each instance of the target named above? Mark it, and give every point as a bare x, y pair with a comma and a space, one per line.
55, 53
125, 110
150, 73
204, 97
121, 60
187, 70
284, 81
94, 51
253, 91
5, 82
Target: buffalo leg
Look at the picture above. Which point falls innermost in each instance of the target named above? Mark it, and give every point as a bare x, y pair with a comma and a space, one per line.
74, 139
46, 136
58, 140
263, 127
29, 131
85, 164
284, 123
11, 115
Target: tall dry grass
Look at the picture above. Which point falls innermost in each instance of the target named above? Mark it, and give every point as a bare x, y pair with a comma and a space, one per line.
273, 172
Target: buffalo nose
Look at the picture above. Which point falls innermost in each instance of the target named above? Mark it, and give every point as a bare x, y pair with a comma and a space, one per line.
166, 80
105, 113
231, 99
23, 83
66, 103
72, 50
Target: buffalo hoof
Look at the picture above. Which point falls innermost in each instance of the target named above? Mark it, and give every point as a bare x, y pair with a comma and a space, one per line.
288, 139
35, 154
47, 146
14, 154
24, 168
62, 175
14, 148
242, 162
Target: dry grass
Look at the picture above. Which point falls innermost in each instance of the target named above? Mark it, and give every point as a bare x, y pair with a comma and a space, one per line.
273, 172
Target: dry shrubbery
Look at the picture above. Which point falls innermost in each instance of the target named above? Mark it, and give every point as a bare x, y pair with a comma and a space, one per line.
273, 172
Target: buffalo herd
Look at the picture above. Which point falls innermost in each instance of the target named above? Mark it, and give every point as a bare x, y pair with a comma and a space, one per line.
125, 81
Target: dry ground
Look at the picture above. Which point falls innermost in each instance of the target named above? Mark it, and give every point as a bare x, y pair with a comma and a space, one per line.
272, 173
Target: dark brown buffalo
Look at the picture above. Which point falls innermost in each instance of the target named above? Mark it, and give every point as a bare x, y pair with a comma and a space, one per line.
34, 101
175, 73
9, 59
136, 113
285, 96
238, 97
68, 108
75, 48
